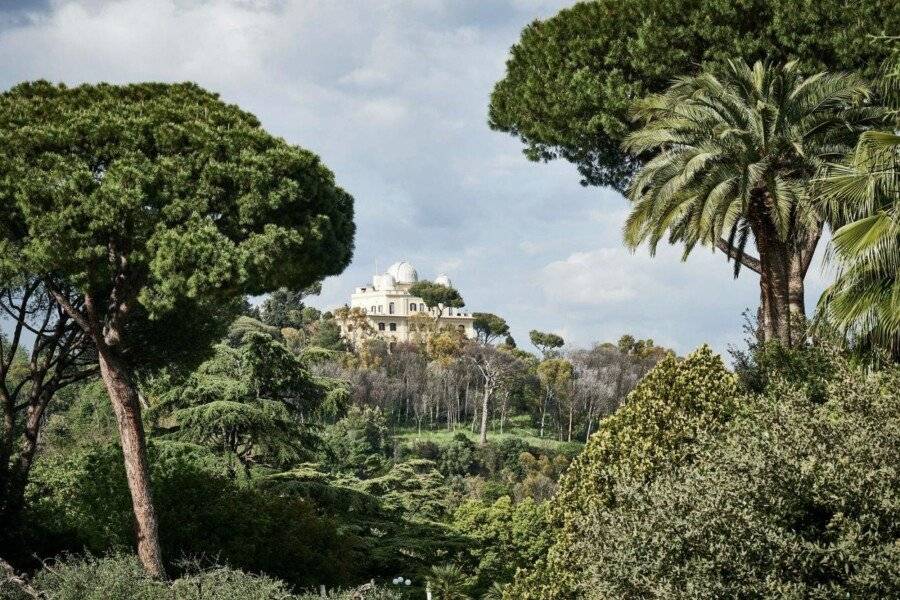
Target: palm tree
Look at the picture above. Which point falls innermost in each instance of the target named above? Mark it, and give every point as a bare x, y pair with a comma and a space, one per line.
863, 198
448, 582
732, 157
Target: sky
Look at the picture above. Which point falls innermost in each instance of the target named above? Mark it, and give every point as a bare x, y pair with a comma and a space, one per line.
393, 96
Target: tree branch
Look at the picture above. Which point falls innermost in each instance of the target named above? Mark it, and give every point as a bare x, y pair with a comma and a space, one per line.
748, 261
76, 314
19, 581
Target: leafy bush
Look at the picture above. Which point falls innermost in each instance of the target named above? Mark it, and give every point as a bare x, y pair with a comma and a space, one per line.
120, 577
458, 456
797, 499
81, 501
653, 432
358, 443
504, 537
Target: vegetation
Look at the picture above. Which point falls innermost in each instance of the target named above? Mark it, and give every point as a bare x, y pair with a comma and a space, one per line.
146, 211
864, 197
272, 449
734, 157
571, 79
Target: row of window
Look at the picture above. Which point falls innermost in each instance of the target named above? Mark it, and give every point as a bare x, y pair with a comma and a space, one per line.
378, 309
393, 326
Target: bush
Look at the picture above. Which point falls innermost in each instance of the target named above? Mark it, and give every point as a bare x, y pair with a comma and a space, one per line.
504, 537
458, 456
358, 443
120, 577
655, 431
81, 501
797, 499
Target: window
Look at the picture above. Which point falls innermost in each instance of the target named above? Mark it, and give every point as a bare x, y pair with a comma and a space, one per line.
391, 308
393, 327
381, 327
421, 307
412, 307
373, 309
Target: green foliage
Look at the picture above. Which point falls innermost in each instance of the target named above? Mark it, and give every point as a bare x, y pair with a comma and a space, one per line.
448, 582
327, 334
245, 325
699, 187
358, 443
80, 501
570, 79
248, 402
796, 499
434, 294
285, 308
458, 457
863, 194
505, 537
182, 201
120, 577
414, 487
656, 430
811, 366
545, 342
489, 326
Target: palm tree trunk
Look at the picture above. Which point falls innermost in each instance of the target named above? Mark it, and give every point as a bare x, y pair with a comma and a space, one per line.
774, 280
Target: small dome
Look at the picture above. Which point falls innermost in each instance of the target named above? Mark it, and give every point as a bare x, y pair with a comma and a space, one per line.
403, 272
443, 280
383, 282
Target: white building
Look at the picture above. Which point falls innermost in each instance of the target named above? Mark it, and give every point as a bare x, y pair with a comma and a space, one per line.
391, 310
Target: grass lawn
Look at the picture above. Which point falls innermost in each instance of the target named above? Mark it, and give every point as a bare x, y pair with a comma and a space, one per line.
517, 427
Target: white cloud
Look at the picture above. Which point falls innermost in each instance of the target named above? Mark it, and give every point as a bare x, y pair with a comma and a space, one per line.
594, 278
393, 95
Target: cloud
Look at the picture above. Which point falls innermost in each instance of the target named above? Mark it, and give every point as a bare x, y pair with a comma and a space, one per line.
594, 278
393, 95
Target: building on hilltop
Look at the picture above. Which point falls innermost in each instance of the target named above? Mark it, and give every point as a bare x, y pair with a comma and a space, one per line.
392, 313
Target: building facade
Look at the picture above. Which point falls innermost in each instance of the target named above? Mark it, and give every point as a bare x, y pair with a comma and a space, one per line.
392, 312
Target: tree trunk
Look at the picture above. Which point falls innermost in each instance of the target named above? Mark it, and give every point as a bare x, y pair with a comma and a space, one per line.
796, 296
774, 279
482, 440
124, 398
544, 413
6, 444
21, 468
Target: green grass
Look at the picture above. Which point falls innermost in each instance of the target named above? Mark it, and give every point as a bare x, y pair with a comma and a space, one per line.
516, 427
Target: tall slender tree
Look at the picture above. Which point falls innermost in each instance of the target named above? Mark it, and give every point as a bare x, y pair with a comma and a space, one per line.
148, 211
863, 197
734, 157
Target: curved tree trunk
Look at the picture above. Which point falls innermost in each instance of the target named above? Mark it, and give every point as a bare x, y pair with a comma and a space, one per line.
124, 398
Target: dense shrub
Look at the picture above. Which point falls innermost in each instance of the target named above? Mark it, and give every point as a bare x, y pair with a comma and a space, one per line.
458, 456
504, 537
120, 577
655, 431
358, 443
80, 501
798, 499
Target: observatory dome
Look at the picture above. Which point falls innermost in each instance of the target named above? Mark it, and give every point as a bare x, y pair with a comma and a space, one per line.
403, 272
443, 280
